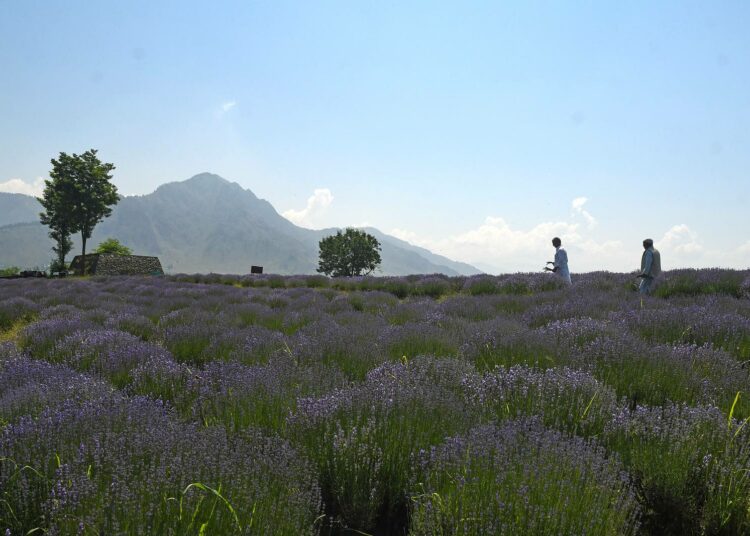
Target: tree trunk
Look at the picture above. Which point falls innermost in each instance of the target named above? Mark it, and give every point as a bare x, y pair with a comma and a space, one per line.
83, 254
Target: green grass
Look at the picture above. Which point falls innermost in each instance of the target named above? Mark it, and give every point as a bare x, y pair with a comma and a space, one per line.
690, 284
12, 333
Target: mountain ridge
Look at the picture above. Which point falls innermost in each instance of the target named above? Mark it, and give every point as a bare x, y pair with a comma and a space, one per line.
18, 208
209, 224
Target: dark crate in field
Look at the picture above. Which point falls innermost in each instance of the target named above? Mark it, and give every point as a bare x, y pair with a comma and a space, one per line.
33, 273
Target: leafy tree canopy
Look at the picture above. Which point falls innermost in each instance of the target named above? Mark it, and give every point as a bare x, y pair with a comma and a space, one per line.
114, 247
10, 270
56, 266
349, 253
57, 201
78, 195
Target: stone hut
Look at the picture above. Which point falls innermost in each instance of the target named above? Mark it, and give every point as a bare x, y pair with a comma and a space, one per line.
109, 264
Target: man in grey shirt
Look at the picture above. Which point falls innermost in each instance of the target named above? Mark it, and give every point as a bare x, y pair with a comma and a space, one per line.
650, 266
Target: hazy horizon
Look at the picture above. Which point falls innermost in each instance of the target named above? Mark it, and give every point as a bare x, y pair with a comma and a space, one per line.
477, 131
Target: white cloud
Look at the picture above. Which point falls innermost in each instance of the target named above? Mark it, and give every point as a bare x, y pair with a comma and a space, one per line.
682, 247
739, 257
680, 239
577, 206
225, 107
497, 246
18, 186
316, 206
495, 243
578, 203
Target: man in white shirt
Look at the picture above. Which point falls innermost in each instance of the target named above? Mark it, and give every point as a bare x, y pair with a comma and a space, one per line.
650, 266
560, 264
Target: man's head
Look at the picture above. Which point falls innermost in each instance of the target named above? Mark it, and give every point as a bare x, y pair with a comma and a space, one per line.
648, 243
556, 242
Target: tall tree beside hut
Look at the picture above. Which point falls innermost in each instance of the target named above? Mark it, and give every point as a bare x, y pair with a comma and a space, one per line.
81, 195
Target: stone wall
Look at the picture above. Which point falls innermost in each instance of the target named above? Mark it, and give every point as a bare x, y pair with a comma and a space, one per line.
106, 264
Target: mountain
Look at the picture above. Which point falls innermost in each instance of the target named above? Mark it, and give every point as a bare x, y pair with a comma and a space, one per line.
18, 208
208, 224
25, 245
444, 262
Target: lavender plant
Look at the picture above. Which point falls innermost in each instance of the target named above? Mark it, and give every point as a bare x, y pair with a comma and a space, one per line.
28, 387
362, 438
521, 478
111, 354
563, 399
16, 309
126, 467
669, 452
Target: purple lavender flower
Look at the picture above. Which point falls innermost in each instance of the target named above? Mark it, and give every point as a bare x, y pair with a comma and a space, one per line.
113, 465
15, 309
41, 338
29, 387
110, 353
521, 478
564, 399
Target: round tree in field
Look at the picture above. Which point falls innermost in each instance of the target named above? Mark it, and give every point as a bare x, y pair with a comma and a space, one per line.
349, 253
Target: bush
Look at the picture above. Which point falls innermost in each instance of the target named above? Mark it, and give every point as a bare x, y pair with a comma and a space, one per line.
10, 270
363, 439
112, 246
690, 282
668, 453
520, 478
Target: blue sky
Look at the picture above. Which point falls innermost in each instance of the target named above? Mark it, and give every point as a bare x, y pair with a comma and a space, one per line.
477, 129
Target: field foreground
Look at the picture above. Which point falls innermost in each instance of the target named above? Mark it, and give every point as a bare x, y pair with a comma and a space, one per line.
423, 405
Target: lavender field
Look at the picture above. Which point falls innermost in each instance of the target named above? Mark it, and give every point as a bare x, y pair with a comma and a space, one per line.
422, 405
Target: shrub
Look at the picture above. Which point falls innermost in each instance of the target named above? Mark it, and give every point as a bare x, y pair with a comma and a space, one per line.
668, 453
9, 270
112, 246
568, 400
363, 439
520, 478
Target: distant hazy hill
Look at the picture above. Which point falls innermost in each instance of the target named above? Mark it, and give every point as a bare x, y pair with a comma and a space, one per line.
431, 258
18, 208
208, 224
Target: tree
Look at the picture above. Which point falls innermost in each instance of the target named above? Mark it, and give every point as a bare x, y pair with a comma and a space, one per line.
57, 201
113, 247
353, 252
10, 270
63, 246
86, 193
